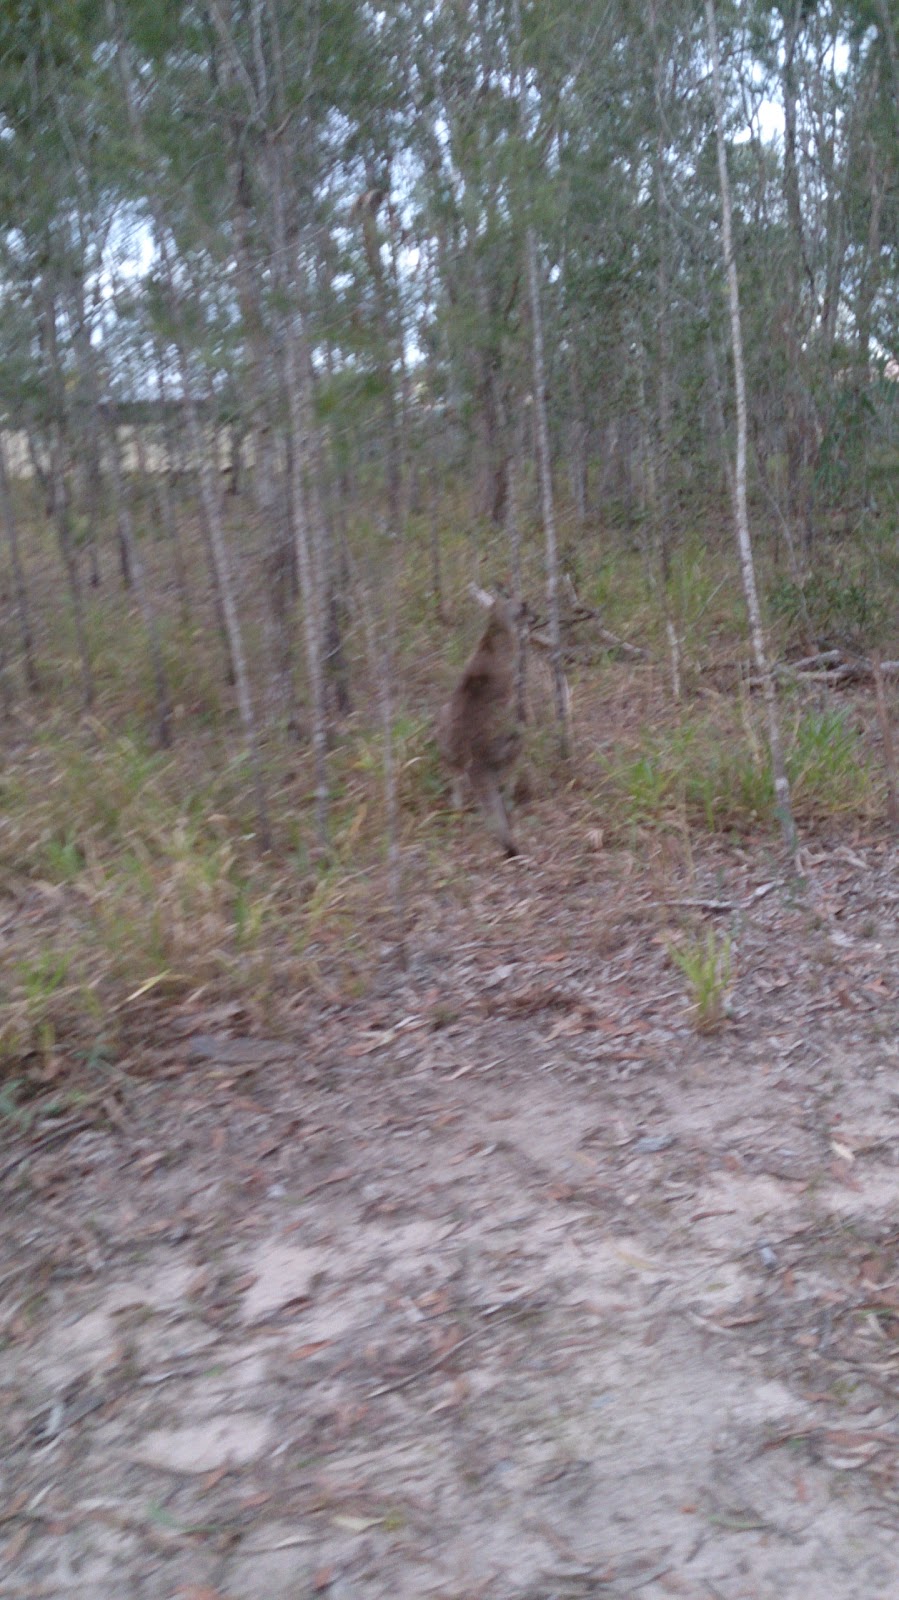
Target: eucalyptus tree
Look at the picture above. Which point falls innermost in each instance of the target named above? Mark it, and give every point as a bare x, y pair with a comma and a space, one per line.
740, 503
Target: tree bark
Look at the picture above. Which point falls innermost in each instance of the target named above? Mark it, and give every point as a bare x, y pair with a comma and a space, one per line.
163, 480
541, 430
58, 491
198, 444
308, 541
145, 601
740, 504
20, 587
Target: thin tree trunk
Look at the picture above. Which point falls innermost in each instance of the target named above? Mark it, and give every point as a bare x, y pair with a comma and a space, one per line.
163, 480
406, 495
889, 34
116, 481
367, 210
886, 733
577, 455
546, 495
513, 534
57, 485
307, 546
871, 272
90, 427
798, 270
333, 582
59, 509
541, 429
740, 504
20, 587
663, 409
434, 544
208, 487
145, 600
380, 642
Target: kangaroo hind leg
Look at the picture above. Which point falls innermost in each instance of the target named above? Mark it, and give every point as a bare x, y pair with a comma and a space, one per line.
489, 796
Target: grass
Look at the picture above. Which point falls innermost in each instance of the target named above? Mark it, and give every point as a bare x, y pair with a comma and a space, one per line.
706, 964
713, 771
138, 884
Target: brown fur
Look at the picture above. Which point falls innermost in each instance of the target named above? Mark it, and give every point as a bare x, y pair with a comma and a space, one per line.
476, 731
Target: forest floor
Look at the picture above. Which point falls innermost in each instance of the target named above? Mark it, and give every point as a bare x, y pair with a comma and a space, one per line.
500, 1282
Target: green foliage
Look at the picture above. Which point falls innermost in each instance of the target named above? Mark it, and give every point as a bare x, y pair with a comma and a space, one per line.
64, 859
833, 605
707, 966
827, 764
718, 776
693, 772
47, 1000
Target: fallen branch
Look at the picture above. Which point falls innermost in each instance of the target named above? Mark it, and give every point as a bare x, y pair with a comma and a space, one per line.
439, 1361
715, 905
837, 669
581, 612
824, 658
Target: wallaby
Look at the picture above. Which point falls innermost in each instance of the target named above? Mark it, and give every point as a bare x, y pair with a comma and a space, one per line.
477, 734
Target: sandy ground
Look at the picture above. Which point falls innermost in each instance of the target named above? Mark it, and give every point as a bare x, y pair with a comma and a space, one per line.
502, 1282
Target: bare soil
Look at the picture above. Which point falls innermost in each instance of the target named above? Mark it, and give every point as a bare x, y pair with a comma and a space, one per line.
501, 1282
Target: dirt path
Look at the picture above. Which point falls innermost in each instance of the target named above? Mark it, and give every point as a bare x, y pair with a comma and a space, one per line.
502, 1283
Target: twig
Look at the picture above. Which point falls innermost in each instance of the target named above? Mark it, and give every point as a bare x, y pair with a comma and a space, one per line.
691, 905
715, 905
432, 1366
423, 1372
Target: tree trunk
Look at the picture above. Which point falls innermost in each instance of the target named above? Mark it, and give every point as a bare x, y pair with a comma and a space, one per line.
308, 547
792, 321
145, 600
740, 505
59, 510
541, 431
163, 481
434, 546
58, 487
20, 588
367, 208
208, 487
513, 534
546, 494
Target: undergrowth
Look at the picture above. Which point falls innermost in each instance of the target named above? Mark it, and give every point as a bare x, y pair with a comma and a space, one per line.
706, 964
714, 772
131, 878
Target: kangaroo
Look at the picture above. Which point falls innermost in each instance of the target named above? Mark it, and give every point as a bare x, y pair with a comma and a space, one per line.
477, 735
